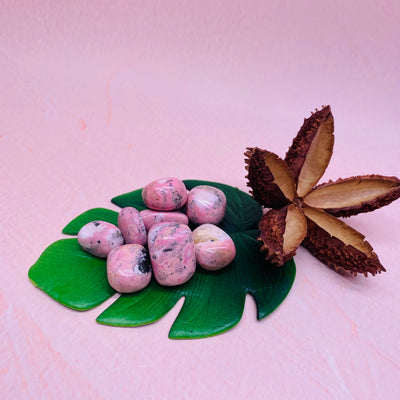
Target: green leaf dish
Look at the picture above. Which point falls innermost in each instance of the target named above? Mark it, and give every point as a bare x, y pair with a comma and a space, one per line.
214, 301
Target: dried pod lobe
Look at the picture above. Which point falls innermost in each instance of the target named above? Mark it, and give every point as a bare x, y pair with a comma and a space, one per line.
311, 150
264, 168
281, 232
351, 196
338, 256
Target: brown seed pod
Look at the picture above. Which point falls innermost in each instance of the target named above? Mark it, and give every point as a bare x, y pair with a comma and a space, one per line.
311, 150
303, 213
269, 178
338, 245
351, 196
282, 232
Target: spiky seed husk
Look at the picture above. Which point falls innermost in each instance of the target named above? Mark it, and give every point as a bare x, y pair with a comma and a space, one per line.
311, 150
281, 232
269, 178
338, 245
299, 216
352, 196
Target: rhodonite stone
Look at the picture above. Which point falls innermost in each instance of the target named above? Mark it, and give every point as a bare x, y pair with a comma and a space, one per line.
132, 227
165, 194
172, 253
99, 238
206, 205
151, 217
214, 248
128, 268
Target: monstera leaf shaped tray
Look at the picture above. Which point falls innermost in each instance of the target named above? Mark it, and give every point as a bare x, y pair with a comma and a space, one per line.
214, 301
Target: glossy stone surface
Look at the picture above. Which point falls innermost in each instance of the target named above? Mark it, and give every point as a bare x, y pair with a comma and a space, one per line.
151, 217
206, 205
172, 253
132, 227
165, 194
99, 238
128, 268
214, 248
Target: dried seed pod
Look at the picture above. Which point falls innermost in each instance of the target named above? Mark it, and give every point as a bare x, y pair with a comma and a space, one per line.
269, 177
311, 150
338, 245
351, 196
282, 232
305, 214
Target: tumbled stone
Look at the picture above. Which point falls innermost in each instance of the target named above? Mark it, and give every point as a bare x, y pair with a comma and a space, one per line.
206, 205
132, 226
165, 194
151, 217
172, 253
99, 238
128, 268
214, 248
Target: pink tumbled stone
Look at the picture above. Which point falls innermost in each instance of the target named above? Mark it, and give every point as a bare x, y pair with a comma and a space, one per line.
165, 194
172, 253
206, 205
132, 227
128, 268
99, 238
214, 247
151, 217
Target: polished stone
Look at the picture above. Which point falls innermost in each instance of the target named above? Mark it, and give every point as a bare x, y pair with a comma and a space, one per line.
132, 226
99, 238
206, 205
128, 268
214, 248
165, 194
172, 253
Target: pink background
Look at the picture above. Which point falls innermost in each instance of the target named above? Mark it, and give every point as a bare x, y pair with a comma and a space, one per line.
99, 98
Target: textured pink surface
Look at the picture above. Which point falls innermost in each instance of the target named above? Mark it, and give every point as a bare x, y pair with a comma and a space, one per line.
132, 226
99, 238
206, 205
151, 217
128, 268
214, 248
165, 194
99, 98
172, 254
